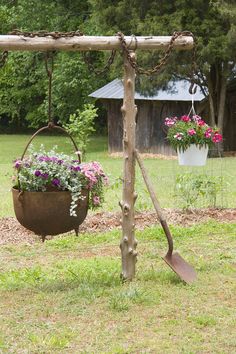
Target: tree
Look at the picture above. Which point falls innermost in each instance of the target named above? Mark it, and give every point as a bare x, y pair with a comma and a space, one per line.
23, 80
211, 21
81, 125
213, 26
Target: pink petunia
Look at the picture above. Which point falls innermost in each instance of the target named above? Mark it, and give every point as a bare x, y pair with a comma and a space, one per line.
196, 118
96, 200
185, 118
106, 180
217, 138
208, 133
169, 122
201, 122
191, 132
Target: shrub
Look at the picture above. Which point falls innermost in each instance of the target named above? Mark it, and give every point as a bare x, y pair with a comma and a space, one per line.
189, 189
81, 125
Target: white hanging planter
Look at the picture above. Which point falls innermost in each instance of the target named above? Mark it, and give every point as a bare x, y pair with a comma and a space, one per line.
194, 155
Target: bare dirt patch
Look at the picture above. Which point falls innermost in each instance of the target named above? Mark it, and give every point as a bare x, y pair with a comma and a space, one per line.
11, 232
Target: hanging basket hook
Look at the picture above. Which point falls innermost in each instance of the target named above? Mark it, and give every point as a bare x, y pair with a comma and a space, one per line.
192, 89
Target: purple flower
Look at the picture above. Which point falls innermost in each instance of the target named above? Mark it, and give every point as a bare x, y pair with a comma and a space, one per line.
76, 168
44, 158
60, 162
56, 182
18, 164
37, 173
44, 175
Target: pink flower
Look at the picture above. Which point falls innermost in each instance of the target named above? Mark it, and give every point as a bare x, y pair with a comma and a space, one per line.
185, 118
217, 138
96, 200
191, 132
196, 118
179, 136
201, 122
208, 133
169, 122
90, 175
106, 180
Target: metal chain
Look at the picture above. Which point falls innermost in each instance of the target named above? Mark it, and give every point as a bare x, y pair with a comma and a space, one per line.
49, 74
105, 68
164, 59
3, 58
57, 35
125, 48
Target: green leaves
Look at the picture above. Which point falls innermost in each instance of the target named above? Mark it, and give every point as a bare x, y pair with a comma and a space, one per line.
81, 125
190, 189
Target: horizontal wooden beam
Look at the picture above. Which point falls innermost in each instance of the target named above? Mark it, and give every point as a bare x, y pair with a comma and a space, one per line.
77, 43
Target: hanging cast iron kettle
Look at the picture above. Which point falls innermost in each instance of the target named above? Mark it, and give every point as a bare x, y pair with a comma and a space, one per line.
47, 213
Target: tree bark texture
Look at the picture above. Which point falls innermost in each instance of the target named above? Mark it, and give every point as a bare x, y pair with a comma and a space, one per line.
129, 110
222, 99
80, 43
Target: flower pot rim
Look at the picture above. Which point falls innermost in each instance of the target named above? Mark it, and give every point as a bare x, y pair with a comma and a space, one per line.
199, 146
56, 191
48, 192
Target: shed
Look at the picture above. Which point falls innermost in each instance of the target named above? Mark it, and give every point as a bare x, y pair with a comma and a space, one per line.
174, 100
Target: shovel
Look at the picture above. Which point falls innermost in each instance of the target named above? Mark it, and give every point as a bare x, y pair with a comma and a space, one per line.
183, 269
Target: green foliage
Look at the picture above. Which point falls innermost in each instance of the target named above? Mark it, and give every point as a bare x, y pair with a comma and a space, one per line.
212, 23
191, 188
23, 80
81, 125
22, 89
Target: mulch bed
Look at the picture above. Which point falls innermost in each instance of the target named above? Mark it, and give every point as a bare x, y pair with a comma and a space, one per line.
11, 232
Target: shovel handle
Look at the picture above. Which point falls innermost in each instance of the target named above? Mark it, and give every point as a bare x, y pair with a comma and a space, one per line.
155, 203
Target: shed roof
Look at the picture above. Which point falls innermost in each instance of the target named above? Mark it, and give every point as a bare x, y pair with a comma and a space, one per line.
175, 91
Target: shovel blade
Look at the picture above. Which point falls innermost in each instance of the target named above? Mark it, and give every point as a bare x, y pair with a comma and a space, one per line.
183, 269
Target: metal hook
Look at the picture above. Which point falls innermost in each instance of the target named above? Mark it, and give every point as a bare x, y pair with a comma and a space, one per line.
192, 90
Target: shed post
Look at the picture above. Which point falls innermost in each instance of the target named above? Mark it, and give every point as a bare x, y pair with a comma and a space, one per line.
129, 110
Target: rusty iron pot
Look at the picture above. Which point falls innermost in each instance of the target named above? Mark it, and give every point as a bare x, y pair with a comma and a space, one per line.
48, 213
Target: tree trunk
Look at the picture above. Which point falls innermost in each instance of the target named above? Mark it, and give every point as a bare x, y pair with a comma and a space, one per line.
129, 110
211, 101
222, 99
217, 86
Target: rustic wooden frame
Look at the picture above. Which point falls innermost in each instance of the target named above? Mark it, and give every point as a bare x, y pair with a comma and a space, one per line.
84, 43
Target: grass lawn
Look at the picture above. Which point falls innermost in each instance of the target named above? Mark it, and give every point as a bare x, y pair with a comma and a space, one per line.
162, 172
65, 296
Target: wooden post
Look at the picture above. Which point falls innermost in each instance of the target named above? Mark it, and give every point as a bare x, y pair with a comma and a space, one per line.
129, 110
